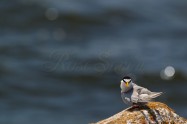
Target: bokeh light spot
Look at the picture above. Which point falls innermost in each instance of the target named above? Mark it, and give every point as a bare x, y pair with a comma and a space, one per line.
167, 73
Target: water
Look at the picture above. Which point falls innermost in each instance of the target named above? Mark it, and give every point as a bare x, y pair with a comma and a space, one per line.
62, 61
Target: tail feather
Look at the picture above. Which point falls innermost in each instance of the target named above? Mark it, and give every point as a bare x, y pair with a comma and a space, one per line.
155, 94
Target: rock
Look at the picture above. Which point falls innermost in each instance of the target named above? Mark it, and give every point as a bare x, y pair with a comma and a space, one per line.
151, 113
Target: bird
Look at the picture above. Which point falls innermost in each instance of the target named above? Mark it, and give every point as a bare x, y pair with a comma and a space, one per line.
134, 95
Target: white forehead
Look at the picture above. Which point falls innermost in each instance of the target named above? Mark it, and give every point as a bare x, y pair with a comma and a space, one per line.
127, 80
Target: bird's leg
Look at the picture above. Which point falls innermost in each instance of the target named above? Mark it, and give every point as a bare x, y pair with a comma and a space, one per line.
135, 105
138, 106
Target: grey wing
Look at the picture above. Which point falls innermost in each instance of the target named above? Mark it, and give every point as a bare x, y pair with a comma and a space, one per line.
135, 96
144, 91
140, 94
146, 95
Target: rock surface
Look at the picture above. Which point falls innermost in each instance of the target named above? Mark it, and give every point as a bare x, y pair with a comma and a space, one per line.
151, 113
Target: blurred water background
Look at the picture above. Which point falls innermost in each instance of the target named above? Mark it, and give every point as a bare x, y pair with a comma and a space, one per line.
62, 60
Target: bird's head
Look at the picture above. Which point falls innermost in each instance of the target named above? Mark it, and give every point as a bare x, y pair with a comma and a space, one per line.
126, 83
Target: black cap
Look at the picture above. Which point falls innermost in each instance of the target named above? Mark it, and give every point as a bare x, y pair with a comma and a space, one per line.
126, 77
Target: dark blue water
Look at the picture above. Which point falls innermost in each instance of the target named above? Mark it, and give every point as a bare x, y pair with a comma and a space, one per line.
62, 60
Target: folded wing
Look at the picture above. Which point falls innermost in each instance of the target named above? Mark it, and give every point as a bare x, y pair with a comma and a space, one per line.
141, 94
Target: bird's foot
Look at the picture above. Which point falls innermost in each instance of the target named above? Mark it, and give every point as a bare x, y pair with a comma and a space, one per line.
135, 106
